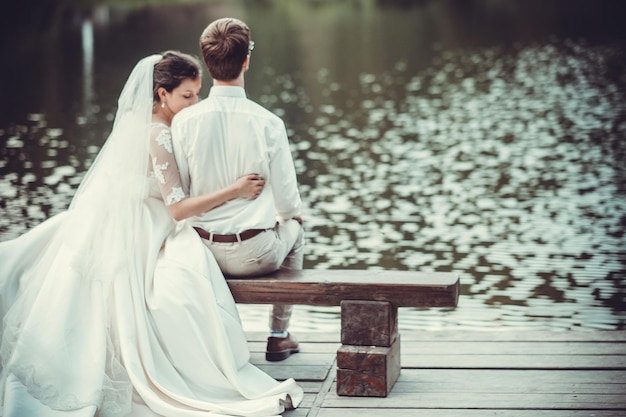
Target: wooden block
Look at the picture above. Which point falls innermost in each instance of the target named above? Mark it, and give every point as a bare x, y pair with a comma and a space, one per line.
368, 323
367, 371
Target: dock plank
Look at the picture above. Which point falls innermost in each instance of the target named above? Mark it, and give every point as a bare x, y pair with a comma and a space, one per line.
396, 412
471, 374
515, 361
492, 401
297, 372
513, 348
588, 336
539, 378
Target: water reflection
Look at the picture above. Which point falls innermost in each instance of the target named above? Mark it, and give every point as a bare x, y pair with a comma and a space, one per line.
88, 67
491, 164
502, 161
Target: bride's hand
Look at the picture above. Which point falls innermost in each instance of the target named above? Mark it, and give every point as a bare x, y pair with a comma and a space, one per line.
250, 186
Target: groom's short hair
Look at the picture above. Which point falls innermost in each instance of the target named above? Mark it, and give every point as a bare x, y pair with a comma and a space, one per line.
224, 44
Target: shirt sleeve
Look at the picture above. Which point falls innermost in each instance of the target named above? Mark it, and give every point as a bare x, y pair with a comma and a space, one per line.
283, 175
177, 135
164, 165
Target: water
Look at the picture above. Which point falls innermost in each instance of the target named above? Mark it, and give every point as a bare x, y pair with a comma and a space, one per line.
487, 138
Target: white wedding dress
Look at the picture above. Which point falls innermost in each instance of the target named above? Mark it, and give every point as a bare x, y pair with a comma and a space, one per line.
148, 329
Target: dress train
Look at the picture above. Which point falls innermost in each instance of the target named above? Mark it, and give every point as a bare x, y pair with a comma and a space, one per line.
167, 341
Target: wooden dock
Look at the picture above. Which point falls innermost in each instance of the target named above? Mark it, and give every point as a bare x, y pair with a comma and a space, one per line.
470, 374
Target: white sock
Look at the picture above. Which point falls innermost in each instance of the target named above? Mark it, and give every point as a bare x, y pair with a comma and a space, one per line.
274, 333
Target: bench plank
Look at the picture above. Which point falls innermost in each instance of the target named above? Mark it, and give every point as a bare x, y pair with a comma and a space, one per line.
328, 287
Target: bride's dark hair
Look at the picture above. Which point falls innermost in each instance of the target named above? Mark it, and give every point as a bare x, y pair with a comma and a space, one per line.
172, 70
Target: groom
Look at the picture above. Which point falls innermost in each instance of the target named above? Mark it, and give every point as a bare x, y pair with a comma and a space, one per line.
223, 138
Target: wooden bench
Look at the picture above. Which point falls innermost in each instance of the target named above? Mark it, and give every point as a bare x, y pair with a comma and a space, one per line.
368, 362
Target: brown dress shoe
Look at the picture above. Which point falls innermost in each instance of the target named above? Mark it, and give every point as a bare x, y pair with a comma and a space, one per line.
279, 348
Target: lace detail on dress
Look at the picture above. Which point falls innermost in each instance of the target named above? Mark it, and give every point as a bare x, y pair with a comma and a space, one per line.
158, 170
113, 399
165, 139
49, 394
175, 196
164, 167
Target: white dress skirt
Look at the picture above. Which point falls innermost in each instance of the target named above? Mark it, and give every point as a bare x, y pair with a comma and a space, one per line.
166, 342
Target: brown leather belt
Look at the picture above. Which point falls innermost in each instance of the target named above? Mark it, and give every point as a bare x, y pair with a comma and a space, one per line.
239, 237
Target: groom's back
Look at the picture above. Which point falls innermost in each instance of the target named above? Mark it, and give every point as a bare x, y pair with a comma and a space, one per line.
224, 138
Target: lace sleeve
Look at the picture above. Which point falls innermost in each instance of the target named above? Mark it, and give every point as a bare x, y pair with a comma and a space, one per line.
164, 165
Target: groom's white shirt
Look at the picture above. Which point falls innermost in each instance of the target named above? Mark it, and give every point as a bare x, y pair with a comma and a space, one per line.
225, 137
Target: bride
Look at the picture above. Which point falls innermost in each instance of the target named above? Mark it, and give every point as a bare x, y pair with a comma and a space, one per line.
113, 308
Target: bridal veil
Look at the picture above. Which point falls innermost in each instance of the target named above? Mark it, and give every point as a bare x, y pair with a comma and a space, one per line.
64, 289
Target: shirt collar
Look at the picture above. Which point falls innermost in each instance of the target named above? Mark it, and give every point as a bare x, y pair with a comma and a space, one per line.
227, 91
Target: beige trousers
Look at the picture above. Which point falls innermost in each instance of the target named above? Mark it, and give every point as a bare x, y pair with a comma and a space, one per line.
279, 248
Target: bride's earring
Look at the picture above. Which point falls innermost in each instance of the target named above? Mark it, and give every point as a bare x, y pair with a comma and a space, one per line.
162, 105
